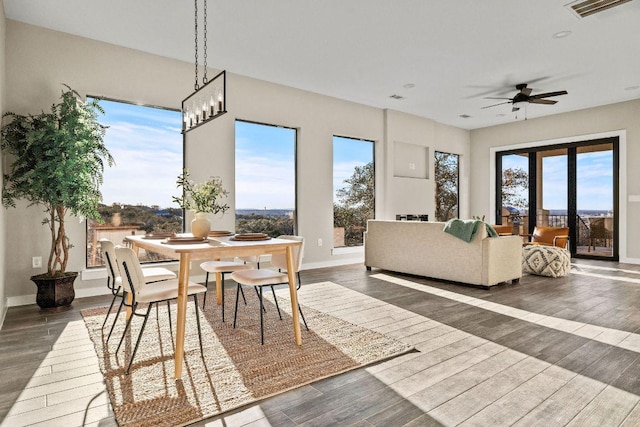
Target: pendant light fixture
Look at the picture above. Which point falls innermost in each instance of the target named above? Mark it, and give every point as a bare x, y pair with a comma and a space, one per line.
208, 101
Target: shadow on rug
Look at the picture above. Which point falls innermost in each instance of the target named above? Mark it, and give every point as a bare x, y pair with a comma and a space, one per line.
236, 369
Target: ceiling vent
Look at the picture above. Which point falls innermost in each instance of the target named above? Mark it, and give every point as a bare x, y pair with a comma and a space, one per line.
582, 8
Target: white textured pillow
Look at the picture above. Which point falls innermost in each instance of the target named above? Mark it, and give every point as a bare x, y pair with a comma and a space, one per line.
546, 261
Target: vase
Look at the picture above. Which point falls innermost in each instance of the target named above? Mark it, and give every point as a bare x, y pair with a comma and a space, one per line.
55, 293
116, 219
200, 225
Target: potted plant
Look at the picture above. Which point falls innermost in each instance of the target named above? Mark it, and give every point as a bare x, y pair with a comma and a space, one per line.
58, 158
201, 198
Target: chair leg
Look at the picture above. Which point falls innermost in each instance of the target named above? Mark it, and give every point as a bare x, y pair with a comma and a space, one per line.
222, 297
206, 285
116, 319
168, 314
135, 349
276, 300
115, 295
303, 319
258, 293
126, 328
235, 313
195, 301
243, 298
261, 318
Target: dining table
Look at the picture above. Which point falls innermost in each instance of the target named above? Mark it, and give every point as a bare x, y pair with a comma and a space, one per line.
216, 248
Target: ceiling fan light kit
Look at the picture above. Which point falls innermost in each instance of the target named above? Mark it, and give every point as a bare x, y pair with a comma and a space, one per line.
524, 97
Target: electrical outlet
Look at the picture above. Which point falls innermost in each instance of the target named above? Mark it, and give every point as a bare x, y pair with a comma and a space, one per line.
36, 262
319, 242
412, 166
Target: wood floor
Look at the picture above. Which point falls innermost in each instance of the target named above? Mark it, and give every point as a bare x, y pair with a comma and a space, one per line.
547, 352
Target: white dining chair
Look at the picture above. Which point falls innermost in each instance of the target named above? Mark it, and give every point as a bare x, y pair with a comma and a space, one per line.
114, 280
142, 292
222, 267
260, 278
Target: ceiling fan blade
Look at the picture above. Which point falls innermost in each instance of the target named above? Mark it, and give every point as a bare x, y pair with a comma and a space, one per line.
495, 105
542, 101
526, 91
548, 94
491, 97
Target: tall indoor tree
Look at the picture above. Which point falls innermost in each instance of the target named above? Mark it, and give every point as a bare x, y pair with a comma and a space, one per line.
57, 161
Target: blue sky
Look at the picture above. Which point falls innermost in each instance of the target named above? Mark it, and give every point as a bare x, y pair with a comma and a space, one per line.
146, 144
594, 177
347, 154
265, 167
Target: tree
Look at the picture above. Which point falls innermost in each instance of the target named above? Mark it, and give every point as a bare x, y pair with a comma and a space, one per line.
356, 204
515, 188
58, 159
446, 179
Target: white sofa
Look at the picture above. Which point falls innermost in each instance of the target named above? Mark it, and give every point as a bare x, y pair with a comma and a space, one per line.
424, 249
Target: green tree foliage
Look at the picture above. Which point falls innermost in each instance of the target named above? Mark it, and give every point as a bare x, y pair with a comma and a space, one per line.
515, 187
356, 204
58, 161
272, 225
446, 179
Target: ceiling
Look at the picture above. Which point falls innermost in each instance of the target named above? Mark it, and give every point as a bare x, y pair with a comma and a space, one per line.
454, 53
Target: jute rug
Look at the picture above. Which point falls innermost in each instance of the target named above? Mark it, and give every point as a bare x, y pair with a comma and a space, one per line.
236, 370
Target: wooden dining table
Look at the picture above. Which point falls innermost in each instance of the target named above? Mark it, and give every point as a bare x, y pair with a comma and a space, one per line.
217, 248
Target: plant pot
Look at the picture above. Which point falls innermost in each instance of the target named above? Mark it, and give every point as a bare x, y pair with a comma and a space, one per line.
200, 225
55, 293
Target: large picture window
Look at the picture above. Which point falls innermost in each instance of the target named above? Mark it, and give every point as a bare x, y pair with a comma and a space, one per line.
353, 190
265, 179
447, 178
136, 194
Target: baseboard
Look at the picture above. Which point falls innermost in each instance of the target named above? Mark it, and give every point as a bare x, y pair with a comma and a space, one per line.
3, 315
630, 260
333, 263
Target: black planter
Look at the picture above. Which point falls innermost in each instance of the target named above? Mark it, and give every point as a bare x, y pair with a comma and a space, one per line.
55, 293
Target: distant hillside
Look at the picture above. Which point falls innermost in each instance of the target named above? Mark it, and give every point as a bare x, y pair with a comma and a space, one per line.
265, 212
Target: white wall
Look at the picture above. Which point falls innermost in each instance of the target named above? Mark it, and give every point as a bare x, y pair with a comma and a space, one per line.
39, 60
621, 118
3, 268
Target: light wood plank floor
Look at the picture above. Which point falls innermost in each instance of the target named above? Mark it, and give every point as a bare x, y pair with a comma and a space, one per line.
543, 352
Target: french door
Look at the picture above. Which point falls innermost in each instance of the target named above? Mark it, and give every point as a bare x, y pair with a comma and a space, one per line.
569, 185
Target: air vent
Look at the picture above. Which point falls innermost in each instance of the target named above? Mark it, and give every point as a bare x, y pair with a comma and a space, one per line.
582, 9
394, 96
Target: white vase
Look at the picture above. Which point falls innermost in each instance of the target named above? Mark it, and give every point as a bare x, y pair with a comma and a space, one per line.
200, 225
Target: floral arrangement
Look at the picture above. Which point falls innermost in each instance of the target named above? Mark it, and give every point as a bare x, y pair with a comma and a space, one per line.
203, 197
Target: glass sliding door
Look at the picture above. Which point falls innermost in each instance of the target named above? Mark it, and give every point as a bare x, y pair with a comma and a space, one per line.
513, 202
552, 188
595, 213
571, 185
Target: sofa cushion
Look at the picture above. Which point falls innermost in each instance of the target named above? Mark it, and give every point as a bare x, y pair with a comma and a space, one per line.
546, 261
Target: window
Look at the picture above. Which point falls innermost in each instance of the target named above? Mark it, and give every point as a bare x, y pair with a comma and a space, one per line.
446, 173
353, 189
136, 194
265, 179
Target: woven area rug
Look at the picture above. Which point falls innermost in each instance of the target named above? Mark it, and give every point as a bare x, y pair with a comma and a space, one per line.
236, 370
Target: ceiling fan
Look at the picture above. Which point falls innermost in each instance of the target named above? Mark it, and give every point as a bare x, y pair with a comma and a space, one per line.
525, 96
